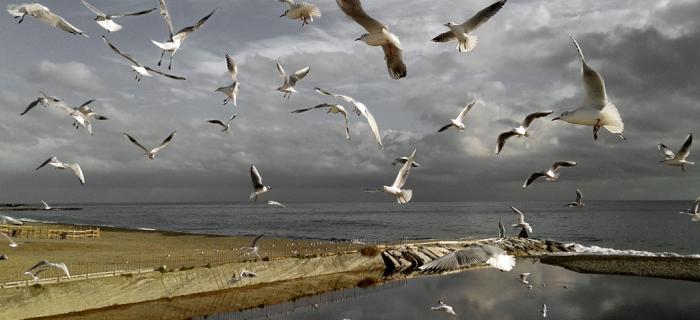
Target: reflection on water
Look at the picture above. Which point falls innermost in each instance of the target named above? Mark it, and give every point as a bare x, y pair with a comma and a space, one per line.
491, 294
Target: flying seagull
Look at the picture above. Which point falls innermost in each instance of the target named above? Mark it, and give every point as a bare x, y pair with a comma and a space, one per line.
275, 204
458, 122
105, 20
303, 11
332, 108
151, 154
520, 131
81, 115
360, 109
226, 126
693, 212
578, 203
443, 307
175, 39
523, 279
402, 160
466, 41
552, 174
231, 91
43, 99
85, 115
43, 14
253, 248
12, 243
10, 220
596, 110
402, 196
678, 159
44, 265
287, 87
54, 162
258, 187
544, 310
521, 220
378, 35
141, 70
242, 275
476, 254
46, 205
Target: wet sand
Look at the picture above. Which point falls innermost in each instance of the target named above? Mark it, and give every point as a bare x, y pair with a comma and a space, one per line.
661, 267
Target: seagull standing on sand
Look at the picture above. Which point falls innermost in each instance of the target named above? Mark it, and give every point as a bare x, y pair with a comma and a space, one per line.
258, 187
303, 11
476, 254
332, 108
402, 160
678, 159
443, 307
105, 20
523, 279
275, 204
463, 32
231, 91
578, 203
10, 220
552, 174
360, 109
54, 162
458, 122
46, 205
287, 87
378, 35
151, 154
253, 249
141, 70
402, 196
596, 110
520, 131
521, 220
44, 265
12, 243
693, 212
226, 126
43, 14
175, 39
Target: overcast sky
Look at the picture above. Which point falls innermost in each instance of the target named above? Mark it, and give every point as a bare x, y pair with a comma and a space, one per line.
646, 50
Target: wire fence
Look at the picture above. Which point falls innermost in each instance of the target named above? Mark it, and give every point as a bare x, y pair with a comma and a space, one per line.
50, 232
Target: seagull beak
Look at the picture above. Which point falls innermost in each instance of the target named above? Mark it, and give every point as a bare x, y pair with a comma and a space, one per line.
284, 14
358, 39
446, 24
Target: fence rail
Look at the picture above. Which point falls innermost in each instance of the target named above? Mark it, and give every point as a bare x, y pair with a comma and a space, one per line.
50, 232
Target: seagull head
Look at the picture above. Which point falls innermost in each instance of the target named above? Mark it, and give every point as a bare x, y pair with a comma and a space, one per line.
449, 24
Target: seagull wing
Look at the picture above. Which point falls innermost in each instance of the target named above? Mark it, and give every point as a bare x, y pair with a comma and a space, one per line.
281, 70
232, 68
684, 151
119, 52
60, 266
255, 176
49, 160
394, 61
166, 15
320, 106
501, 141
138, 13
404, 171
482, 16
86, 103
532, 178
255, 241
460, 117
57, 21
445, 37
164, 74
40, 265
78, 172
130, 138
217, 122
44, 203
164, 143
354, 10
531, 117
360, 109
445, 127
457, 259
300, 74
347, 123
668, 154
560, 164
197, 25
579, 195
93, 9
592, 82
501, 230
31, 106
12, 242
521, 216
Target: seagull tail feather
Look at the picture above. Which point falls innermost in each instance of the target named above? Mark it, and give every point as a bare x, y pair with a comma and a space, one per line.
502, 262
468, 44
405, 196
613, 120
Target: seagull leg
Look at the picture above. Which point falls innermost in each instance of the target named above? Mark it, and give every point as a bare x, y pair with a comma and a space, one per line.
162, 53
20, 20
596, 127
170, 64
683, 167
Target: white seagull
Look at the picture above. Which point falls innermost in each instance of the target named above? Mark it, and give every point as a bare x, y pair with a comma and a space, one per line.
443, 307
403, 196
82, 114
226, 126
43, 14
458, 122
10, 220
520, 131
303, 11
596, 110
275, 204
466, 41
544, 310
332, 108
521, 220
44, 265
678, 159
105, 20
231, 91
151, 154
175, 39
54, 162
287, 87
402, 160
253, 248
693, 212
43, 99
46, 205
578, 203
378, 35
523, 279
141, 70
12, 243
85, 115
476, 254
360, 109
242, 275
552, 174
258, 187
